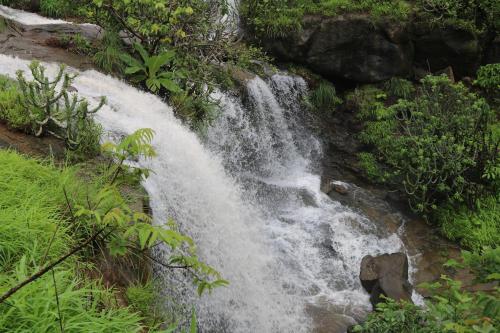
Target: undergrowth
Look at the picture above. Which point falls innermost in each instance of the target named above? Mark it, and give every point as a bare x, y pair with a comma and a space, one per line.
36, 229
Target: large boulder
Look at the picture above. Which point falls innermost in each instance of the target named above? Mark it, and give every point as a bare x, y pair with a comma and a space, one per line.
357, 49
440, 47
386, 275
348, 47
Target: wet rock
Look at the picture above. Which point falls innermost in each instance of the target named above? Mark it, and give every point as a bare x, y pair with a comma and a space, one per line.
357, 49
386, 275
340, 187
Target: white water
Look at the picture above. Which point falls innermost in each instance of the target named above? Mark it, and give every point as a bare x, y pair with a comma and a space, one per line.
27, 17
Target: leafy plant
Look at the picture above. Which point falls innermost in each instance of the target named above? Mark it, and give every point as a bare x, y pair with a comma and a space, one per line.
437, 144
149, 70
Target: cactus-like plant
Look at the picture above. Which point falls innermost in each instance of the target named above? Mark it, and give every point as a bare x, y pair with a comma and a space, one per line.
52, 108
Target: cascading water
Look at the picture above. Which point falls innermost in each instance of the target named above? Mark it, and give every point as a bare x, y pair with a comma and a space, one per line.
249, 195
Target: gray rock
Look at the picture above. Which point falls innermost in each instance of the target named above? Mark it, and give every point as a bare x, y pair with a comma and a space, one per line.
349, 47
386, 275
354, 48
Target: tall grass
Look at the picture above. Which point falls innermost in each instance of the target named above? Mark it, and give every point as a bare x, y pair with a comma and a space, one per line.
35, 229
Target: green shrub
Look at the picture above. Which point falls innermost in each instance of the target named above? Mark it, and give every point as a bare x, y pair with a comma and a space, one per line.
76, 43
324, 97
439, 144
370, 166
484, 264
488, 80
473, 15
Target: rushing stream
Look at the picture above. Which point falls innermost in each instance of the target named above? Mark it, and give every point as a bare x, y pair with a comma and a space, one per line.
248, 192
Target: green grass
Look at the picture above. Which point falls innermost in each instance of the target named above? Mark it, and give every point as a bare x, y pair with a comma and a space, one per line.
277, 18
32, 211
324, 97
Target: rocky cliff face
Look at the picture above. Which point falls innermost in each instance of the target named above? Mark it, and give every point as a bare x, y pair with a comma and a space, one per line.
356, 49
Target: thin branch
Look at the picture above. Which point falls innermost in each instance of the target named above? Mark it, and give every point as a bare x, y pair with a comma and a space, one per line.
57, 301
43, 271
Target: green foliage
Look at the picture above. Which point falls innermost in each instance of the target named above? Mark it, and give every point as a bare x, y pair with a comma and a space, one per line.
439, 144
398, 87
149, 70
278, 18
109, 51
475, 228
324, 97
53, 110
394, 317
484, 264
450, 309
372, 169
76, 43
55, 8
142, 298
11, 111
35, 229
474, 15
488, 80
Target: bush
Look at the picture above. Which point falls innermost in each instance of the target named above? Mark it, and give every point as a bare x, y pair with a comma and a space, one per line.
438, 144
324, 97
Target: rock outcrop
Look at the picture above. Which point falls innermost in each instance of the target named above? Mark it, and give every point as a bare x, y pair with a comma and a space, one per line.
357, 49
386, 275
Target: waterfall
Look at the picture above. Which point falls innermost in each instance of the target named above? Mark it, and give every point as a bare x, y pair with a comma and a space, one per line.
248, 194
